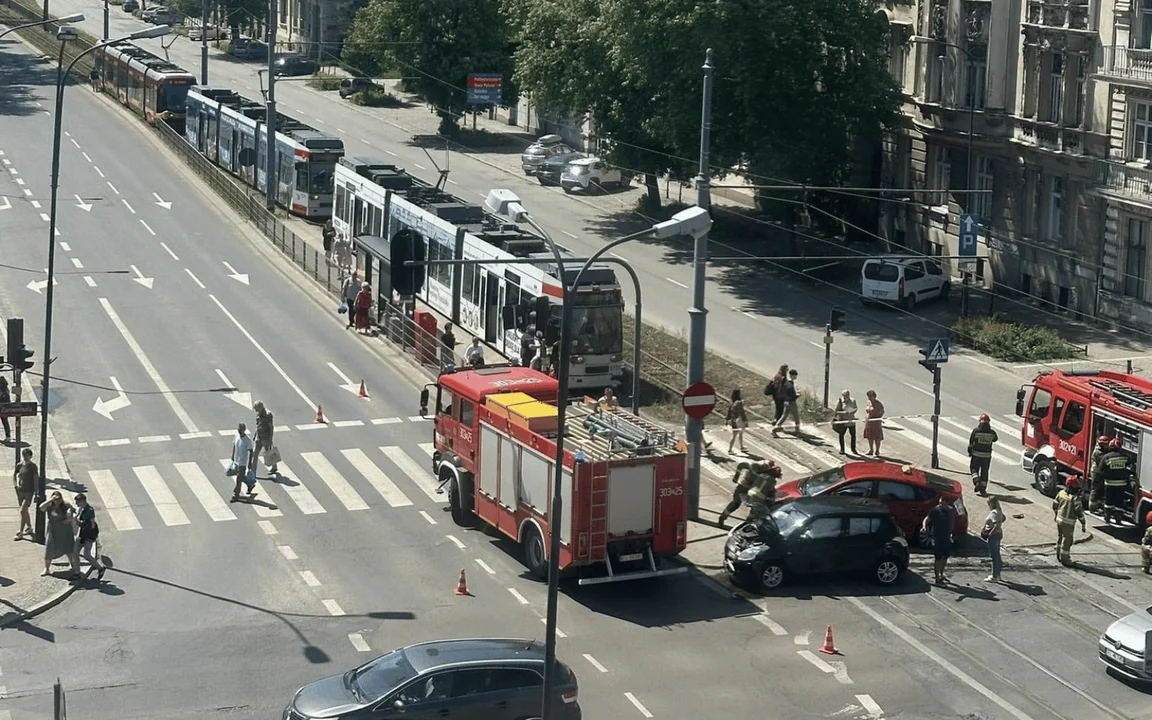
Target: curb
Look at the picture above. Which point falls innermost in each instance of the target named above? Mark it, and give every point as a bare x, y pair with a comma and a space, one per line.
13, 618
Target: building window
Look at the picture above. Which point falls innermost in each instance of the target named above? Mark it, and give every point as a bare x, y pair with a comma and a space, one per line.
1056, 88
976, 77
1036, 207
941, 173
937, 56
982, 202
1142, 131
1135, 258
897, 57
1145, 21
1055, 208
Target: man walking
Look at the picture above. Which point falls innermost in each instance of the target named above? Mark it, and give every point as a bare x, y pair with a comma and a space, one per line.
241, 457
940, 522
447, 347
1146, 545
980, 444
1067, 509
348, 294
24, 479
1116, 469
791, 406
474, 355
5, 397
263, 443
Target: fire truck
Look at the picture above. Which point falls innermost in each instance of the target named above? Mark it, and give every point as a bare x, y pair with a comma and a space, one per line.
1064, 415
624, 501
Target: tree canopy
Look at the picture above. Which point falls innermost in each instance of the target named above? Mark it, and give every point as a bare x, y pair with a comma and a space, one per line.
437, 43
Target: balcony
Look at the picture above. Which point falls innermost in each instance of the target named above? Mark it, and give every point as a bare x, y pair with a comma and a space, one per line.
1129, 66
1125, 180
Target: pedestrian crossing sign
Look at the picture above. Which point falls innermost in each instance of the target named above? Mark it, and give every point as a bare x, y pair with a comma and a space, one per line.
937, 351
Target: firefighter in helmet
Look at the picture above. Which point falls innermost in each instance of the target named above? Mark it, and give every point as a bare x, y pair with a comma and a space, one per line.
1146, 545
750, 479
1116, 468
1067, 510
980, 451
763, 493
1095, 478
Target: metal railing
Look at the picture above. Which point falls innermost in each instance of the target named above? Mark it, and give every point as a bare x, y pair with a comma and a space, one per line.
1123, 179
1119, 61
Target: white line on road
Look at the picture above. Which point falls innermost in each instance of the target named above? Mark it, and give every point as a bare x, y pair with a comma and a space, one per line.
366, 142
263, 352
267, 527
86, 156
76, 263
113, 443
98, 171
936, 658
387, 421
204, 491
165, 502
113, 188
341, 130
917, 388
319, 121
802, 638
870, 706
35, 204
195, 279
333, 608
309, 578
347, 380
817, 662
595, 663
65, 247
225, 433
426, 516
617, 256
340, 487
418, 418
419, 166
358, 642
130, 209
153, 438
559, 633
453, 181
74, 446
519, 598
89, 281
115, 502
45, 218
149, 229
456, 541
288, 552
376, 477
677, 283
164, 245
639, 706
149, 368
484, 566
776, 628
195, 435
394, 155
311, 426
348, 423
569, 234
74, 142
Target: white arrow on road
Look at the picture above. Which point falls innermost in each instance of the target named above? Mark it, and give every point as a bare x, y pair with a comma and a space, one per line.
86, 207
145, 281
241, 277
162, 202
348, 385
39, 285
119, 402
7, 204
240, 398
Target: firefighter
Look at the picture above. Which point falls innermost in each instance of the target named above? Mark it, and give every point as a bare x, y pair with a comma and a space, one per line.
763, 493
1095, 479
980, 451
1146, 545
750, 477
1116, 470
1067, 509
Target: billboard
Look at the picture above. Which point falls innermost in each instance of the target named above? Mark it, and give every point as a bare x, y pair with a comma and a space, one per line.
485, 88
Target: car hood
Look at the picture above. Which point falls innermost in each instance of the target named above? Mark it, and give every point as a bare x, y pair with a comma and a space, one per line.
1132, 630
325, 698
788, 490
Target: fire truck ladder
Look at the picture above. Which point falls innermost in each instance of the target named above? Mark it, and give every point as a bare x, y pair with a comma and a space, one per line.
1135, 399
627, 431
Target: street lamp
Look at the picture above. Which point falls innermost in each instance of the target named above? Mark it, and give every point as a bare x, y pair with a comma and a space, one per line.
64, 35
693, 221
77, 17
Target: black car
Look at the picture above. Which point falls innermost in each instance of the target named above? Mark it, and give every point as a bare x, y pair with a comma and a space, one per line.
822, 534
129, 6
291, 65
548, 171
493, 679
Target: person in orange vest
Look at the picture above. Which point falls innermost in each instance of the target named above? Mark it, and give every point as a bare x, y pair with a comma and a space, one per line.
1067, 510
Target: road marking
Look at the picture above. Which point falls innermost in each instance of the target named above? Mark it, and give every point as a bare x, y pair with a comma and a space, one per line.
776, 628
428, 448
98, 171
164, 245
341, 130
358, 642
264, 352
595, 663
113, 188
299, 494
27, 192
484, 566
519, 598
35, 204
130, 208
162, 497
202, 488
387, 421
559, 633
376, 477
267, 527
340, 487
86, 156
569, 234
74, 446
394, 155
74, 142
802, 638
817, 662
288, 552
617, 256
76, 263
45, 217
309, 578
195, 435
917, 388
113, 443
456, 541
262, 510
870, 706
65, 246
419, 166
348, 423
418, 418
195, 279
149, 368
366, 142
115, 503
225, 433
333, 608
416, 472
320, 121
639, 706
677, 283
311, 426
453, 181
149, 229
426, 516
936, 658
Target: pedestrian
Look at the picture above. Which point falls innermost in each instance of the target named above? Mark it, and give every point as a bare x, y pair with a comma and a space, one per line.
980, 444
447, 346
527, 347
329, 235
844, 420
59, 538
1116, 469
87, 536
5, 398
348, 293
1067, 510
474, 355
609, 399
24, 479
737, 420
774, 390
1146, 545
747, 477
241, 459
363, 304
1095, 477
342, 254
791, 404
263, 444
873, 423
939, 523
993, 534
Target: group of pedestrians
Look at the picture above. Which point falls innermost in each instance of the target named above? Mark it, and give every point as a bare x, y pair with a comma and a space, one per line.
337, 249
247, 450
356, 303
844, 422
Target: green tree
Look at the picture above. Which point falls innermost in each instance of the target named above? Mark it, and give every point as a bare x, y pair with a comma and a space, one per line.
438, 42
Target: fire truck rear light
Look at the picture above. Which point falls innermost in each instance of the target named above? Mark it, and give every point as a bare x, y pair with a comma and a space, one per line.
681, 533
570, 696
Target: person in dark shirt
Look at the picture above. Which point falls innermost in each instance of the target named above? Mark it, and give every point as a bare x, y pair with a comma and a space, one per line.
939, 523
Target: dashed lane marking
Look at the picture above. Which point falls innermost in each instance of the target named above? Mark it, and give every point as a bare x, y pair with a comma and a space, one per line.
45, 218
358, 642
288, 552
424, 514
65, 247
595, 663
113, 443
89, 281
309, 578
485, 567
195, 279
638, 705
802, 638
130, 208
870, 706
195, 435
164, 245
559, 633
74, 142
86, 156
76, 263
456, 541
677, 283
387, 421
98, 170
333, 608
519, 598
74, 446
149, 228
267, 527
816, 662
348, 423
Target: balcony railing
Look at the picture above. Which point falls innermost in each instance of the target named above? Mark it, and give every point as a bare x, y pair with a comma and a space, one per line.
1117, 178
1049, 136
1127, 63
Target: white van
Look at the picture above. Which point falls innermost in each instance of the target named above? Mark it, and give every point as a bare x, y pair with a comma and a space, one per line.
903, 281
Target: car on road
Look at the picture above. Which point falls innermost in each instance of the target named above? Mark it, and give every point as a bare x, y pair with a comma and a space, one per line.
351, 86
161, 16
545, 147
550, 171
902, 281
293, 65
1126, 646
908, 492
591, 174
210, 32
129, 6
247, 49
494, 679
816, 535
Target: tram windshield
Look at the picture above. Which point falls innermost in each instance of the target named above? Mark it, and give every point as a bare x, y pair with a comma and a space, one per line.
172, 97
598, 320
319, 177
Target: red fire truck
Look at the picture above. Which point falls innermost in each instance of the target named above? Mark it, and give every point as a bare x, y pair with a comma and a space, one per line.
624, 500
1067, 412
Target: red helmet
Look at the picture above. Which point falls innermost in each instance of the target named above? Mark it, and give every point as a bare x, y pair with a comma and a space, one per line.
1073, 483
1103, 440
1114, 443
984, 418
1148, 519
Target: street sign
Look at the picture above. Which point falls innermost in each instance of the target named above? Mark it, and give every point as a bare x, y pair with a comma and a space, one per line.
936, 351
699, 400
485, 88
969, 240
19, 409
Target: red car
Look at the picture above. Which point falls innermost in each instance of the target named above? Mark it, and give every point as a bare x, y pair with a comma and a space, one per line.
908, 492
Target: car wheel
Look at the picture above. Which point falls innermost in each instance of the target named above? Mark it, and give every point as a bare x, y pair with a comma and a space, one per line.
888, 570
534, 556
771, 575
925, 538
1045, 475
908, 302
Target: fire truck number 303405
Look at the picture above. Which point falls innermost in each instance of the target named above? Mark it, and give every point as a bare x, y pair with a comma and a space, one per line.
671, 492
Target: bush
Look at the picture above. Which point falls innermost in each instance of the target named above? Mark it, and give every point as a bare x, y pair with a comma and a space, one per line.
1010, 341
326, 83
376, 97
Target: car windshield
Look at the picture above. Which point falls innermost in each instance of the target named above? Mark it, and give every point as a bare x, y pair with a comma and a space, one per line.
820, 482
881, 271
782, 520
374, 680
599, 328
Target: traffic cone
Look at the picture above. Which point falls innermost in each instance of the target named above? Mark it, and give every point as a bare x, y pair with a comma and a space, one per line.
320, 415
462, 586
829, 647
363, 390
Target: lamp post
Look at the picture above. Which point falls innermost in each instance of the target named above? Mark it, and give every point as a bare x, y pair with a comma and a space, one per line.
203, 40
63, 34
271, 182
78, 17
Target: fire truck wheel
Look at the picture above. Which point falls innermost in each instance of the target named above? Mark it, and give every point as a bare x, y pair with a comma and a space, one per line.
1045, 474
460, 516
534, 556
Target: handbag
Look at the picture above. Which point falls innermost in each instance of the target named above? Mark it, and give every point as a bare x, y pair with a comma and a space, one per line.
272, 455
233, 468
250, 479
342, 308
985, 533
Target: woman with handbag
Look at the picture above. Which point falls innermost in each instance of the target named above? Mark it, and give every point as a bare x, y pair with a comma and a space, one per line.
844, 420
362, 306
874, 423
993, 533
737, 420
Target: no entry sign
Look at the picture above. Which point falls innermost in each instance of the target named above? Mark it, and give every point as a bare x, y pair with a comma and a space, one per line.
699, 400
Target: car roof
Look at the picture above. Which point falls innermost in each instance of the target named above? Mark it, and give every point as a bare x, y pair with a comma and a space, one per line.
828, 504
440, 653
897, 259
548, 140
584, 160
899, 473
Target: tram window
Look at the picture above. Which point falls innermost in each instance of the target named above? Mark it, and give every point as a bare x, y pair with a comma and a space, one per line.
469, 289
377, 221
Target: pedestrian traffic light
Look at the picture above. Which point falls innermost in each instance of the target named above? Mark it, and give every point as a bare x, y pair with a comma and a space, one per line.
835, 318
925, 363
15, 337
22, 360
408, 246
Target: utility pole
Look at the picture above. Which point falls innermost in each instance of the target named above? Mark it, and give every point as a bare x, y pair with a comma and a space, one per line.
935, 354
105, 20
271, 182
203, 42
698, 315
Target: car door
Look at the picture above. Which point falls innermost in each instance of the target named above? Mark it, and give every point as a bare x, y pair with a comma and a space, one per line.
915, 279
936, 279
474, 697
863, 544
813, 546
901, 500
428, 697
514, 693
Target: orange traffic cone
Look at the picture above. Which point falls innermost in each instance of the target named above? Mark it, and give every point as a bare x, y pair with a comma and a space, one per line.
829, 647
363, 390
320, 415
462, 586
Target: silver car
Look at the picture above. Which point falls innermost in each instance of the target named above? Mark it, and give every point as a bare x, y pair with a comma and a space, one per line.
545, 147
1126, 645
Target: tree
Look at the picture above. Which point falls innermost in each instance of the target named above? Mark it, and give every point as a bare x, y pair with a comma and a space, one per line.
439, 42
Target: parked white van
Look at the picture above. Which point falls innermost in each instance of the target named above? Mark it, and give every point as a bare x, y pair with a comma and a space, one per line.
901, 280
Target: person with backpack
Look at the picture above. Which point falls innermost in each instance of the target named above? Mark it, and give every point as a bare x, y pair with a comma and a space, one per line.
87, 536
791, 409
774, 390
262, 443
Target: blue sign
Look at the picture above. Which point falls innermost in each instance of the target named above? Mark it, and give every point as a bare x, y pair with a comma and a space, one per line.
969, 235
936, 351
485, 88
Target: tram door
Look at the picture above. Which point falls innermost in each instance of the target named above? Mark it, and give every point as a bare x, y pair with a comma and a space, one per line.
491, 306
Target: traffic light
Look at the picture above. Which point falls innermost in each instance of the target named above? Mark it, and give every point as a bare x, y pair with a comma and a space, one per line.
929, 366
408, 246
15, 337
835, 318
22, 360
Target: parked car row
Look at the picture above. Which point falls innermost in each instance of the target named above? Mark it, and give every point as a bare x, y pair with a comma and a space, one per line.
209, 32
553, 162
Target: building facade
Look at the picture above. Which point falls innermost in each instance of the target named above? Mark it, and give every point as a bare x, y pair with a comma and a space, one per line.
1045, 108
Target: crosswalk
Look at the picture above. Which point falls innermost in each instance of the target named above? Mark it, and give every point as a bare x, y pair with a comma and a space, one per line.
187, 493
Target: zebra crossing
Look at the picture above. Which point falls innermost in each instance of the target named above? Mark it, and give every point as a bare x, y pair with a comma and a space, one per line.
186, 493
